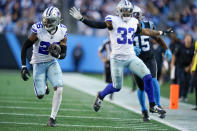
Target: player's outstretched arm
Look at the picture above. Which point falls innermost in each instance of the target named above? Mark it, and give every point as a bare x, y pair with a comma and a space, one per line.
75, 13
168, 53
28, 43
152, 33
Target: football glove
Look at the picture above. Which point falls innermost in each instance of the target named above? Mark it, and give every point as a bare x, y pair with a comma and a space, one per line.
25, 73
75, 13
168, 54
166, 32
55, 50
137, 50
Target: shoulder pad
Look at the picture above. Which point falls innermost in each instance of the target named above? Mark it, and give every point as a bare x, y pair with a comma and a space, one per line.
36, 27
64, 29
108, 18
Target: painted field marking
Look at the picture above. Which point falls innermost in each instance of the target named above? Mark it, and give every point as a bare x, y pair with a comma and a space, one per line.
85, 126
79, 117
49, 108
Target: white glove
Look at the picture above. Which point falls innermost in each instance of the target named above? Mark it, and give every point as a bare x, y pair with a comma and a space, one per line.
75, 13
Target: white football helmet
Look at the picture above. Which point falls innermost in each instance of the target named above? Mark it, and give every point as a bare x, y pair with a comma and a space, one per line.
51, 18
137, 13
125, 9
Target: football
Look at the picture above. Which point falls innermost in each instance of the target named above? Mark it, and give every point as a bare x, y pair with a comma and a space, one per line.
55, 48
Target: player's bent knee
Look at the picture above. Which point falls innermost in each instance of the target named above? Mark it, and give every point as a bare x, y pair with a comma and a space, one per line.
147, 77
40, 96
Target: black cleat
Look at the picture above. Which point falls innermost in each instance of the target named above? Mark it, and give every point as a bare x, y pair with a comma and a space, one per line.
162, 116
145, 116
51, 122
157, 109
97, 103
47, 89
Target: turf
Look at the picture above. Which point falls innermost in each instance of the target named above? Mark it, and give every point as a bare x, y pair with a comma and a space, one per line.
20, 110
164, 89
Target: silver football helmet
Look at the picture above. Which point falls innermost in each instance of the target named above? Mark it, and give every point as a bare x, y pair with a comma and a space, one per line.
125, 9
51, 18
137, 13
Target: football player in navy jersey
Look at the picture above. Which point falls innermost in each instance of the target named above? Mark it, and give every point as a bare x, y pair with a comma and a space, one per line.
49, 41
147, 56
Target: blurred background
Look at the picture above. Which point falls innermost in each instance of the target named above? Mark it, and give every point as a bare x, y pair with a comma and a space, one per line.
17, 17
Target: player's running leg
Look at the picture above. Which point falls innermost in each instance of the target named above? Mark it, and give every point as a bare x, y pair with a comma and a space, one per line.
152, 66
141, 98
39, 80
54, 74
117, 67
139, 68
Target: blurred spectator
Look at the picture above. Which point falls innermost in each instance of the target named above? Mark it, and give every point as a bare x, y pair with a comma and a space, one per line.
77, 55
183, 56
158, 51
18, 15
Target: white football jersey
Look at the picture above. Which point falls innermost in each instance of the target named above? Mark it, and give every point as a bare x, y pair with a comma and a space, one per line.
40, 48
122, 37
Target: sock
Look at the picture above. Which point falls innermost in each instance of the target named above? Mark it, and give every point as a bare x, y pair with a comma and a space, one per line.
108, 90
148, 86
156, 91
57, 99
141, 98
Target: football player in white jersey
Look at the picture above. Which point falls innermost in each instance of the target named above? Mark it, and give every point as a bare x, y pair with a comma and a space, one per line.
122, 29
45, 38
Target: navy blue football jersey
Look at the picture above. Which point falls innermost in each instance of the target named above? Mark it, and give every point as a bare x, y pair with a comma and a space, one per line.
143, 42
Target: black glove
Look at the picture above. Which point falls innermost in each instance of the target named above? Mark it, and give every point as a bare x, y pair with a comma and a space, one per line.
55, 50
166, 32
25, 73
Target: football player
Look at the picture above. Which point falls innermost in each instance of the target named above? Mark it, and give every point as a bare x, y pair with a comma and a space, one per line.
49, 41
146, 55
122, 29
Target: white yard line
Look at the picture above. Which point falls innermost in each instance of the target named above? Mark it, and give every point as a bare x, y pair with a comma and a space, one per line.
87, 126
183, 119
64, 125
84, 126
49, 108
65, 116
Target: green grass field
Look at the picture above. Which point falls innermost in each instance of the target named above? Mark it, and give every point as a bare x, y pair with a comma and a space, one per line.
20, 110
164, 89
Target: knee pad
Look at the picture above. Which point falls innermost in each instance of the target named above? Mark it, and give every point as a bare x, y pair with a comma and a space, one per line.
40, 96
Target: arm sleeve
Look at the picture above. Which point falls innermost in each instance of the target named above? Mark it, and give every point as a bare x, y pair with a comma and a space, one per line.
63, 51
94, 24
28, 43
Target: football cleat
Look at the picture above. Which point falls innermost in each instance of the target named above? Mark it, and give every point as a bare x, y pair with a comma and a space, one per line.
47, 89
162, 116
157, 109
145, 116
51, 122
97, 103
